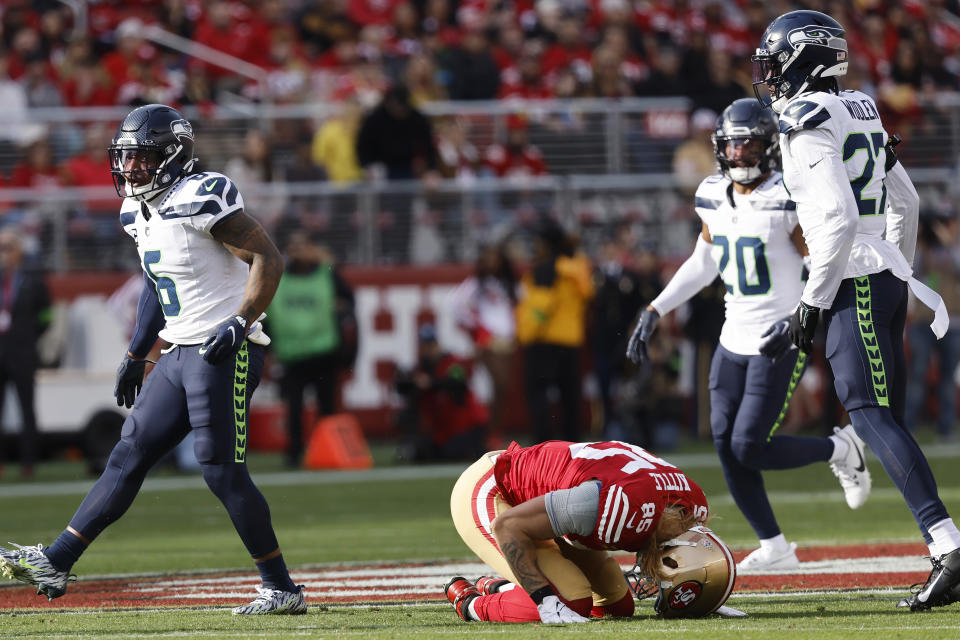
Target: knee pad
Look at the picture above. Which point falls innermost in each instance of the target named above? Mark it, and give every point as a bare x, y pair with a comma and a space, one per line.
748, 452
219, 477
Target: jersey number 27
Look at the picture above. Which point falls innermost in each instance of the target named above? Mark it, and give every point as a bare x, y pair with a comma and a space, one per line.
865, 185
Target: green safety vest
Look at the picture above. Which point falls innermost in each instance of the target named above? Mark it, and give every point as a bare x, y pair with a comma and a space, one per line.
302, 317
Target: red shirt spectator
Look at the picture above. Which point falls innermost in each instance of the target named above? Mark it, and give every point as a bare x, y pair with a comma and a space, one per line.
525, 80
131, 50
232, 29
91, 168
88, 85
516, 158
569, 48
36, 169
364, 12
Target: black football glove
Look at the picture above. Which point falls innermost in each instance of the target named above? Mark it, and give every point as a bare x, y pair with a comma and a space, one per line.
129, 381
226, 342
637, 347
776, 343
892, 158
803, 324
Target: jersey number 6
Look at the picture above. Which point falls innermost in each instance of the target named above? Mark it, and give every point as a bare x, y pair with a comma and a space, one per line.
166, 287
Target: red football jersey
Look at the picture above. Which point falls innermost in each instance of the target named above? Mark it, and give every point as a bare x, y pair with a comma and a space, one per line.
635, 486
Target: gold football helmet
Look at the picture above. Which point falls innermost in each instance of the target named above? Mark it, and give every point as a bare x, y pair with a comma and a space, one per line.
698, 573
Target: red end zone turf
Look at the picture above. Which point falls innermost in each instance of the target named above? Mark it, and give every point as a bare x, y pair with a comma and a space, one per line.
841, 567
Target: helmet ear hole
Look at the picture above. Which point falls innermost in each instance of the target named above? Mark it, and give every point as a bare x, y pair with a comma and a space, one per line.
670, 562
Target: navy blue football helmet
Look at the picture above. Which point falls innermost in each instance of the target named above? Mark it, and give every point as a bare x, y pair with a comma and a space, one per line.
152, 151
753, 132
797, 49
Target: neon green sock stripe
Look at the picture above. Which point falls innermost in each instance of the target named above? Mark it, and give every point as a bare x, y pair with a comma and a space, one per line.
798, 370
240, 403
870, 343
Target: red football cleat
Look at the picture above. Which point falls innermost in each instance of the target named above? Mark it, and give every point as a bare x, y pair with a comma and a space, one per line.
460, 593
487, 585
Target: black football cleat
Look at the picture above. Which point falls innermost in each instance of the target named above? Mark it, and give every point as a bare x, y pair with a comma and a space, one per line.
460, 592
942, 586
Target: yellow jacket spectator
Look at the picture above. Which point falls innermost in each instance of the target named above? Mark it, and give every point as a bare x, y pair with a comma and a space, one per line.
551, 317
556, 313
335, 146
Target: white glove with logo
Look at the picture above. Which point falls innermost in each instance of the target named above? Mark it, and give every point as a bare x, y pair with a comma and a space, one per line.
552, 611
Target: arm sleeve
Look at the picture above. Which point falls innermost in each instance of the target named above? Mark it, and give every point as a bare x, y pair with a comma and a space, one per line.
903, 211
150, 320
830, 223
694, 274
574, 510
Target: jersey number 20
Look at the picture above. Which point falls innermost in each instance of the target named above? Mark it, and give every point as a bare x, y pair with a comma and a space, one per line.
762, 285
166, 287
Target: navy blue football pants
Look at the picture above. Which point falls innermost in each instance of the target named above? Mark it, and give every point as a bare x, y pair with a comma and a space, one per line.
182, 392
865, 350
748, 400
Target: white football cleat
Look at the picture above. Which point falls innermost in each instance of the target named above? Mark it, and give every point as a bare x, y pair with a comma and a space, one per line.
765, 558
274, 602
852, 470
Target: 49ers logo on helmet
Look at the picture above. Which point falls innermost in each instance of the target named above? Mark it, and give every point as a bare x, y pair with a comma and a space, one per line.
685, 594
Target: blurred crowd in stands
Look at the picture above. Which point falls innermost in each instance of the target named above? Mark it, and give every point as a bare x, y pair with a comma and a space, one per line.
380, 62
333, 50
352, 52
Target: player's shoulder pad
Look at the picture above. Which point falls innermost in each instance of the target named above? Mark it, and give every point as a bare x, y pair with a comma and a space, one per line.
128, 212
207, 193
808, 112
772, 195
711, 193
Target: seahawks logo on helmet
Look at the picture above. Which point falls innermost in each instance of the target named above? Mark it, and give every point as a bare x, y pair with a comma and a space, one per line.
825, 36
181, 129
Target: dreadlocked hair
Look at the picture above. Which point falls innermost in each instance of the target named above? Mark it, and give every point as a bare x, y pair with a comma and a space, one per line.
674, 520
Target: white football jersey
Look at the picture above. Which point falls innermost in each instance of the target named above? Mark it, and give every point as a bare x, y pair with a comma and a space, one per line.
820, 130
199, 282
756, 258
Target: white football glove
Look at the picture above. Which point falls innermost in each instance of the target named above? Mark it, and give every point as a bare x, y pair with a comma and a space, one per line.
552, 611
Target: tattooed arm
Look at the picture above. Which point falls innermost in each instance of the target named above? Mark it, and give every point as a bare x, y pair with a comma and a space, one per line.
517, 531
245, 238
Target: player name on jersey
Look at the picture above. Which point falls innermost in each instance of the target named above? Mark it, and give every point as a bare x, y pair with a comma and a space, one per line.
861, 109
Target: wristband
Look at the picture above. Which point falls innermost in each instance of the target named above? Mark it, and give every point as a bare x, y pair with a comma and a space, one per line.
541, 593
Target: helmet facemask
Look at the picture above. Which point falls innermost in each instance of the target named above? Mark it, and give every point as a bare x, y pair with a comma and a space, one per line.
746, 142
151, 152
750, 163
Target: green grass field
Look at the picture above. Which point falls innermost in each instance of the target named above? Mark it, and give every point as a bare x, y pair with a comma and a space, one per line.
177, 526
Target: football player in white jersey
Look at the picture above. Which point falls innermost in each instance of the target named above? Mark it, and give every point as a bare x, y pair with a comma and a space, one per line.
750, 237
858, 210
210, 271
